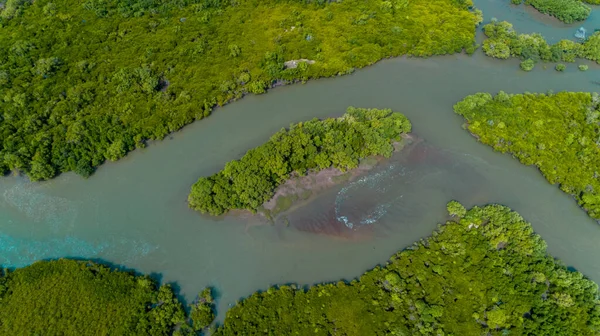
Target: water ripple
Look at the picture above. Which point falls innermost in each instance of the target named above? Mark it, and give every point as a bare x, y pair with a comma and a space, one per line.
378, 184
19, 252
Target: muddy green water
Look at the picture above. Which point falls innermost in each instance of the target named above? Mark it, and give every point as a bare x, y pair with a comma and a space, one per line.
133, 213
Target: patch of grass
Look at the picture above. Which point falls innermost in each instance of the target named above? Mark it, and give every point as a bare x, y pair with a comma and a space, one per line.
284, 203
341, 178
369, 161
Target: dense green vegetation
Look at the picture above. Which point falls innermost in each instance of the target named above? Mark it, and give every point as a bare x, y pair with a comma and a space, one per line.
567, 11
86, 81
485, 273
313, 145
559, 133
201, 315
504, 42
67, 297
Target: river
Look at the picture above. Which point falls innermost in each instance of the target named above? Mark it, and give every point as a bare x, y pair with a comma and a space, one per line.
133, 213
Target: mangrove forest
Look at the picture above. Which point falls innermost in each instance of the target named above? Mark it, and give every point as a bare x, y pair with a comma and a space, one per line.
87, 81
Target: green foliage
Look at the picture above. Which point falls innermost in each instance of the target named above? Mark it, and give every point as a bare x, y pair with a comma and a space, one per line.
504, 42
317, 144
456, 209
486, 273
12, 8
558, 133
202, 314
567, 11
86, 81
582, 67
527, 65
67, 297
560, 67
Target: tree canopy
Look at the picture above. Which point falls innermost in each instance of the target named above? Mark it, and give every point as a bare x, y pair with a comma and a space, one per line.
504, 42
559, 133
484, 273
86, 81
313, 145
68, 297
567, 11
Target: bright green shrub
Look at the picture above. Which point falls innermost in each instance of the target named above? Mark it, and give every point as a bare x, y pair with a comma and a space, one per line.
527, 65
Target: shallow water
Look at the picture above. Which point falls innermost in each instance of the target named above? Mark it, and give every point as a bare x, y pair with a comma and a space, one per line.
134, 213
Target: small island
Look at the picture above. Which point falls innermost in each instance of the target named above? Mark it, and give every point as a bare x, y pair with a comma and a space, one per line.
308, 155
503, 42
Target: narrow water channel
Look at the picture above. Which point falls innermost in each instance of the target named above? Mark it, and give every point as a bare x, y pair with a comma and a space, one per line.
134, 213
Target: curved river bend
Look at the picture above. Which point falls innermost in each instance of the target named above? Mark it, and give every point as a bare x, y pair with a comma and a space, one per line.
134, 213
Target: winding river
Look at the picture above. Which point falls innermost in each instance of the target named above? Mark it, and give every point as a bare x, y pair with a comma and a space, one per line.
133, 213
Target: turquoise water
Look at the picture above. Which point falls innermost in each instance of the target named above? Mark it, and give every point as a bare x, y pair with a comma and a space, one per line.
133, 213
